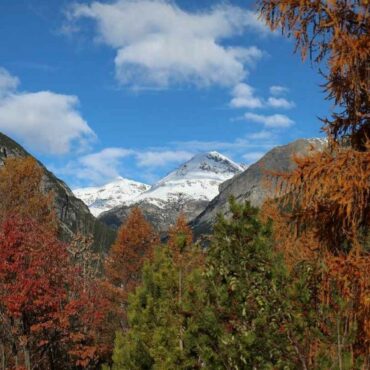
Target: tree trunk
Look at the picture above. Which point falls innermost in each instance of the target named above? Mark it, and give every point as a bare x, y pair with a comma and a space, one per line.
27, 359
2, 350
339, 344
181, 342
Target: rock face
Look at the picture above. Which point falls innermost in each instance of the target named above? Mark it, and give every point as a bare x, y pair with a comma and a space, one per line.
114, 194
73, 213
188, 190
250, 184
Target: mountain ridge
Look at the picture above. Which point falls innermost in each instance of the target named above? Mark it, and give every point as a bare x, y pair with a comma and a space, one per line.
249, 185
74, 215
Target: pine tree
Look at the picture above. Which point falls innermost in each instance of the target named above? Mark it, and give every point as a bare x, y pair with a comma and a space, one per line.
167, 321
246, 279
152, 333
184, 259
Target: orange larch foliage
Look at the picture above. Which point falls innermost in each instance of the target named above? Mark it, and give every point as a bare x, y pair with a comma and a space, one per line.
22, 193
134, 244
180, 242
180, 237
336, 33
324, 215
135, 241
329, 194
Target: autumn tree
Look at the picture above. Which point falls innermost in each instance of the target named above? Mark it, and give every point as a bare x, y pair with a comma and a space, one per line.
88, 273
23, 194
84, 257
134, 244
323, 218
334, 33
47, 319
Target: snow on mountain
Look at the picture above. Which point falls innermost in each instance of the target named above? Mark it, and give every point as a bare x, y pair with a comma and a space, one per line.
113, 194
197, 179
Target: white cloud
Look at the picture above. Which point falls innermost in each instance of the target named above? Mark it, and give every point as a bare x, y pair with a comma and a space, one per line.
146, 164
103, 166
278, 90
44, 121
158, 44
162, 158
280, 103
100, 166
8, 83
243, 97
274, 120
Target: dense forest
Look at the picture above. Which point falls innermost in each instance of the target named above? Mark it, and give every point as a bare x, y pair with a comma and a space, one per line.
285, 286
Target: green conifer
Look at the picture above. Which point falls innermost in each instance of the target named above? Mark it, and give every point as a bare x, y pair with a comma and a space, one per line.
246, 281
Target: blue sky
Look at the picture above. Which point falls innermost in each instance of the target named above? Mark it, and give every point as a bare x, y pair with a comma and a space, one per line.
136, 87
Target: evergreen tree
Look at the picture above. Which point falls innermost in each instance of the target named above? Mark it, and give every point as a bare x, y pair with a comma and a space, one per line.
246, 279
168, 325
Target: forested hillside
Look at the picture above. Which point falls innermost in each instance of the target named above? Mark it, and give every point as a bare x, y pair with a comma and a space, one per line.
74, 216
282, 283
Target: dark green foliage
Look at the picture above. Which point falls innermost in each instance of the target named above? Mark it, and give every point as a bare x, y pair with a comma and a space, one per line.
239, 310
246, 280
164, 333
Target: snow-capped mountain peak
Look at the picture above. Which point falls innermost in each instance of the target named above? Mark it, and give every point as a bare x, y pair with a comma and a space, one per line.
113, 194
210, 165
196, 179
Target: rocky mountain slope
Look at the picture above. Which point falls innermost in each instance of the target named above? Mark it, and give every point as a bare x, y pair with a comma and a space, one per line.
188, 190
114, 194
73, 213
250, 184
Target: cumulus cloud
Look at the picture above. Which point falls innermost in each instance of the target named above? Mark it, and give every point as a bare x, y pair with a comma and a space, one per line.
158, 44
278, 90
280, 103
243, 97
272, 121
98, 167
44, 121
